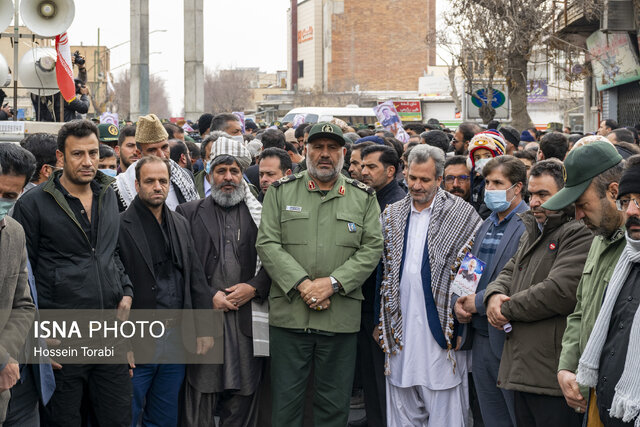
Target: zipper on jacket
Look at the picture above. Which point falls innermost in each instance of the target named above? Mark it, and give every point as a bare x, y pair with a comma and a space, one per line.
93, 250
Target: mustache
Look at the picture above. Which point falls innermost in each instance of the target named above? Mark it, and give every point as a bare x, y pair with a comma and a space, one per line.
227, 183
633, 221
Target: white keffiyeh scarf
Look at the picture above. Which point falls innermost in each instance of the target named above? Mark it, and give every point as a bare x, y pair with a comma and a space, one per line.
125, 186
452, 227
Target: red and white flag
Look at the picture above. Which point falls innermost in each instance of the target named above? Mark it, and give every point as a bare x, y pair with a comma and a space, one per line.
64, 68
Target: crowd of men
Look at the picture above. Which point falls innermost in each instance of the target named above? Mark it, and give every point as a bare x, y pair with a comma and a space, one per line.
349, 242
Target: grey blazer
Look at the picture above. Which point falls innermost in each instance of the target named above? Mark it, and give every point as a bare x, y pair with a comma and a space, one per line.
17, 310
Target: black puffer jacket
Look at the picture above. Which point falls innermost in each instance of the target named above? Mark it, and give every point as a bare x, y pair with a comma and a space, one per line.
71, 273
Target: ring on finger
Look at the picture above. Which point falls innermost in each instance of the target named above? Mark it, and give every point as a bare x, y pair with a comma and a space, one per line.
314, 300
319, 308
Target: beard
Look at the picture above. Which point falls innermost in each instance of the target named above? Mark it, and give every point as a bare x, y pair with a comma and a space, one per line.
423, 196
227, 199
153, 203
324, 175
608, 222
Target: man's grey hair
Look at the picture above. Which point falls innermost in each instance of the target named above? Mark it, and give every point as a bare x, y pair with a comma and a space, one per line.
423, 152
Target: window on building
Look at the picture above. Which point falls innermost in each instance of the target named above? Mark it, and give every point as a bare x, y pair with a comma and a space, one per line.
300, 69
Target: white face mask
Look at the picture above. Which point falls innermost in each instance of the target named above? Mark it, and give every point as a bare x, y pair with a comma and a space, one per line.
238, 138
480, 164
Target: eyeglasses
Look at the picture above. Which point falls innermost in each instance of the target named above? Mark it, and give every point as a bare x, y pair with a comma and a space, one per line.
452, 178
623, 204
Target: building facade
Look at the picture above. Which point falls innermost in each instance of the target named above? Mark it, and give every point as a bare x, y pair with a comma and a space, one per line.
358, 45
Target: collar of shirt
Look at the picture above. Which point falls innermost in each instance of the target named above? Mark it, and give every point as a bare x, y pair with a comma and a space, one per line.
426, 211
95, 188
207, 186
494, 215
3, 224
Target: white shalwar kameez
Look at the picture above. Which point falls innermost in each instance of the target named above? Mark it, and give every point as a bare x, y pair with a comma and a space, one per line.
422, 389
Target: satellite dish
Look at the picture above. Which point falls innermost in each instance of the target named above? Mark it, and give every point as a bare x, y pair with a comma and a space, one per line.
6, 13
37, 69
47, 18
5, 76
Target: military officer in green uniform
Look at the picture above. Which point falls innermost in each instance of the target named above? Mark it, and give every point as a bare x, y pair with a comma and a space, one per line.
319, 239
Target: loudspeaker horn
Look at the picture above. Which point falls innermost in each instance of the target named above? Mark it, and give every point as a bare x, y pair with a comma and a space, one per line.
5, 76
47, 18
37, 69
6, 13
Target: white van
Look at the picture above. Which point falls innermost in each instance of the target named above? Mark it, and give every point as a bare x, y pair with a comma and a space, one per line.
352, 115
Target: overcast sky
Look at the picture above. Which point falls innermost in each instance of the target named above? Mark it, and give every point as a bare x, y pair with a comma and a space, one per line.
241, 33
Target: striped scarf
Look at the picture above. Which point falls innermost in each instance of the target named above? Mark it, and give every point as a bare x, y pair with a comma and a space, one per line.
125, 188
259, 310
626, 400
452, 227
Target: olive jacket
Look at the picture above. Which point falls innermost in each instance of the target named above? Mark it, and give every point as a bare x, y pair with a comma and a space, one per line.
541, 279
307, 233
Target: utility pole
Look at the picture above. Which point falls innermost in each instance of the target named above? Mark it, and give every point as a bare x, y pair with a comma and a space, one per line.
193, 60
294, 45
139, 89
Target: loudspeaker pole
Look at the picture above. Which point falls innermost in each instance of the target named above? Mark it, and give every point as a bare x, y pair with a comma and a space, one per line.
193, 60
16, 42
139, 89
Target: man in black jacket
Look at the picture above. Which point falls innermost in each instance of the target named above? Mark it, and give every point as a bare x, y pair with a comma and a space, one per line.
71, 225
159, 256
379, 166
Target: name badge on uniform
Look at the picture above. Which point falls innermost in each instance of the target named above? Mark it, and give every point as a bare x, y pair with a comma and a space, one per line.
352, 227
293, 208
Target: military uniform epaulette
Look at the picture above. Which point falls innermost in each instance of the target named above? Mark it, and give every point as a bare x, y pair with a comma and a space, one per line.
361, 185
286, 179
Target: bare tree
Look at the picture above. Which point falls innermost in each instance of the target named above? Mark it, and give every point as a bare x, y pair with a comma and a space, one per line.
226, 91
501, 35
158, 96
451, 59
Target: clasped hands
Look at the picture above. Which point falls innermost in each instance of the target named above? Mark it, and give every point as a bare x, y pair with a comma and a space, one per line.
316, 293
465, 307
233, 297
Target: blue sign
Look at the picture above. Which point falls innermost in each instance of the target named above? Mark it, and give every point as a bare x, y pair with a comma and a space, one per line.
498, 98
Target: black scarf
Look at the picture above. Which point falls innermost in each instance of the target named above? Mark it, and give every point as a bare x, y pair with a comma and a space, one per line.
172, 238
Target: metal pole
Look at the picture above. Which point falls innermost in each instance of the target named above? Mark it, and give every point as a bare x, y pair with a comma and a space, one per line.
139, 89
16, 40
97, 94
294, 45
193, 59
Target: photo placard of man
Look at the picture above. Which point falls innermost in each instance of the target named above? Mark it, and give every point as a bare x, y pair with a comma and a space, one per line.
319, 240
